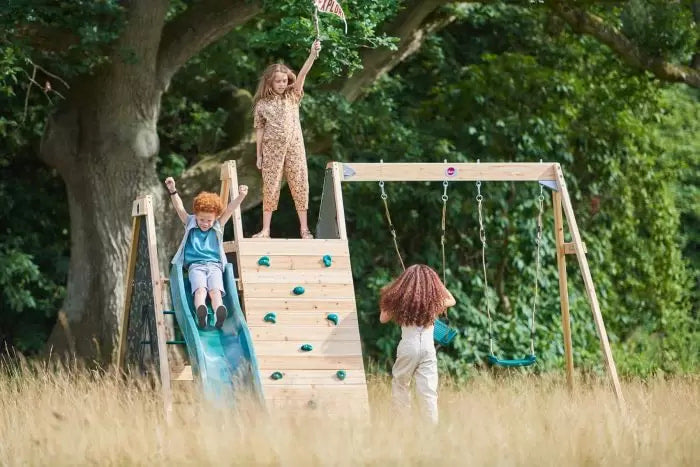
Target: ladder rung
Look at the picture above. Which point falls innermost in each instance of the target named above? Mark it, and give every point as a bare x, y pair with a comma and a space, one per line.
168, 312
175, 342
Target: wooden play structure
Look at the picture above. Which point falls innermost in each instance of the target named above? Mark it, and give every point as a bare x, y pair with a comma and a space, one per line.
300, 338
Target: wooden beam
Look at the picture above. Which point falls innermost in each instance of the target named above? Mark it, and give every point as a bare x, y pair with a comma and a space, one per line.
229, 178
588, 282
563, 289
436, 171
337, 169
128, 286
163, 362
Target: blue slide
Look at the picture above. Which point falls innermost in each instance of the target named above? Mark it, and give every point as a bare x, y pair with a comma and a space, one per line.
223, 361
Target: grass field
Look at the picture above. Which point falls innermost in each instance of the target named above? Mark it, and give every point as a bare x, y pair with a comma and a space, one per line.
78, 417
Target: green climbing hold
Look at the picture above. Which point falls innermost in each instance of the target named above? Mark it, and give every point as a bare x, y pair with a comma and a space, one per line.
340, 374
327, 260
276, 375
270, 318
298, 290
333, 318
264, 261
307, 347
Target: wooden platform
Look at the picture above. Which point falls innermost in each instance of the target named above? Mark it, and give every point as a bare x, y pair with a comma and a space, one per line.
309, 378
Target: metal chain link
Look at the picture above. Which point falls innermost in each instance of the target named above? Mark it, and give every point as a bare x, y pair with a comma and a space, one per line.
482, 237
384, 197
444, 198
538, 241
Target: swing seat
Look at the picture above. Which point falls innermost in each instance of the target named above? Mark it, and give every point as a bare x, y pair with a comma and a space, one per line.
527, 361
442, 333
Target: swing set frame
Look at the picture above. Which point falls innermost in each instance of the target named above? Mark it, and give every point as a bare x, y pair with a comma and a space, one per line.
331, 224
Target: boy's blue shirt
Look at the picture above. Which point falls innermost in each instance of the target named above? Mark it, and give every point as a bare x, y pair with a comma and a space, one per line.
201, 247
191, 223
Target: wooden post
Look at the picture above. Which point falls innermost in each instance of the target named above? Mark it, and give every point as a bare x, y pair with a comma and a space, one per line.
164, 364
229, 186
128, 290
588, 283
338, 194
563, 289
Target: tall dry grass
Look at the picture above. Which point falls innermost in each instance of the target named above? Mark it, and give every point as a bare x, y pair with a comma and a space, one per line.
73, 416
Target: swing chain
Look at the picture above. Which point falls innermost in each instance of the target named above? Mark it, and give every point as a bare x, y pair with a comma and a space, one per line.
384, 197
443, 225
538, 242
482, 237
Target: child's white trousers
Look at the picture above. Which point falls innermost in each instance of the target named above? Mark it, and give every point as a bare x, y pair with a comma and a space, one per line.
416, 356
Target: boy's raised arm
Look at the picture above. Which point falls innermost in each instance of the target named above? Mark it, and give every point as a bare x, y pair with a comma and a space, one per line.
226, 215
176, 200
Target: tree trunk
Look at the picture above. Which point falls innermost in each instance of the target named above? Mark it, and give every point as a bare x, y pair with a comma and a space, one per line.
103, 146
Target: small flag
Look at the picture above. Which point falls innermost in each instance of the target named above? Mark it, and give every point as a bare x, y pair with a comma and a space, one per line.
331, 6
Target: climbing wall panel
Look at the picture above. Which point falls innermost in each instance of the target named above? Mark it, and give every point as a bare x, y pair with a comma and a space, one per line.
299, 302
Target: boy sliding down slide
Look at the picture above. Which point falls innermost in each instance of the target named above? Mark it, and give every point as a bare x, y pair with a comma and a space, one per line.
201, 251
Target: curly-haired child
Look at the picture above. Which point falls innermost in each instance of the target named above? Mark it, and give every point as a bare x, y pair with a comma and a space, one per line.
413, 301
279, 141
201, 251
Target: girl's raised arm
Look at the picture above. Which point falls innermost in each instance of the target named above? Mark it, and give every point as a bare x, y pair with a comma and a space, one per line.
313, 54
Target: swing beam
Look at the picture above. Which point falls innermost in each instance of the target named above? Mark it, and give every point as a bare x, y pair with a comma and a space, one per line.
331, 223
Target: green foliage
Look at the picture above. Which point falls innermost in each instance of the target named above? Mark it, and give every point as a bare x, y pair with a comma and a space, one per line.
660, 28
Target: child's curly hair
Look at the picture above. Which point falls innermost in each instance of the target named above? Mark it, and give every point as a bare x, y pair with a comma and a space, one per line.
415, 297
207, 202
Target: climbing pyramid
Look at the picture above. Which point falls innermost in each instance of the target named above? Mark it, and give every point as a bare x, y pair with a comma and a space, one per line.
299, 303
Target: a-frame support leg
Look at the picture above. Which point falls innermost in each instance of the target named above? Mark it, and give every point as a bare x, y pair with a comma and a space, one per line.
563, 289
588, 283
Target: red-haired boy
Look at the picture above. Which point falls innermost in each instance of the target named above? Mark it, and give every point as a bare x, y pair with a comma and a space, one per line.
201, 251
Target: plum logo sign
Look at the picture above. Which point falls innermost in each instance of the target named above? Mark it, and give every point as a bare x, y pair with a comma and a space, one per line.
450, 171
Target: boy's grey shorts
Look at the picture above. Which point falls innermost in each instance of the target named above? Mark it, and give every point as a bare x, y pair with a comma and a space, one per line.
206, 275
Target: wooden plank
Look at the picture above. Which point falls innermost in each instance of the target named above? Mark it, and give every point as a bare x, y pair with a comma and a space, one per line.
320, 349
230, 247
570, 248
183, 374
563, 289
128, 289
156, 285
229, 177
284, 290
279, 332
588, 282
301, 303
334, 391
301, 318
436, 171
138, 208
264, 276
293, 247
337, 171
295, 262
309, 362
355, 406
313, 377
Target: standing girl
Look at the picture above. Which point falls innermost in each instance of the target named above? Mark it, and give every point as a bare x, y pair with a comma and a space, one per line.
279, 141
413, 301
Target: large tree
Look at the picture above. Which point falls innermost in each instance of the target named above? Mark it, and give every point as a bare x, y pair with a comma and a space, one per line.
118, 58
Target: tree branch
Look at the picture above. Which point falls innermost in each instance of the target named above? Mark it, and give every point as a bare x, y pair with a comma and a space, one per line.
200, 25
412, 26
594, 26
